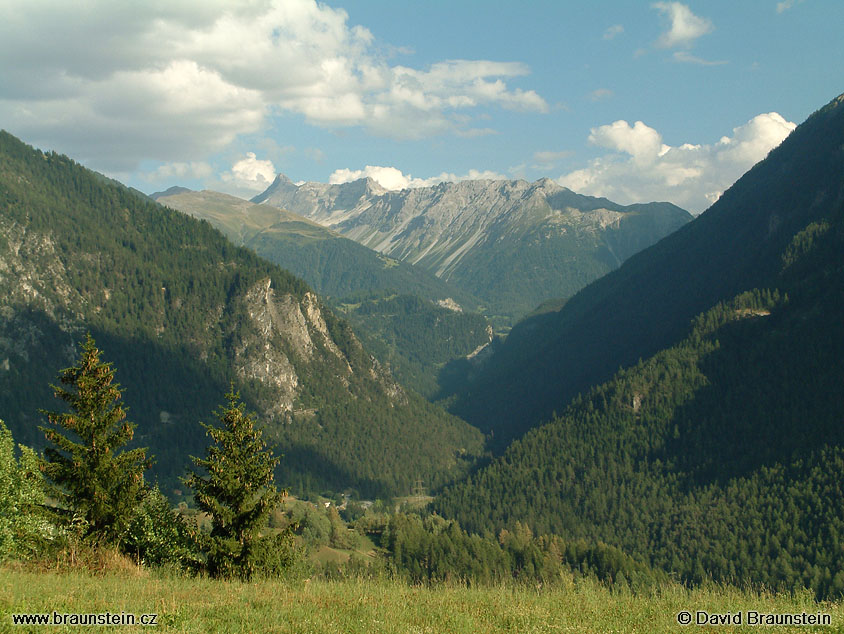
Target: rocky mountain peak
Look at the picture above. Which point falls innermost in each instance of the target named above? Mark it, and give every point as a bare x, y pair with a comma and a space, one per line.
456, 230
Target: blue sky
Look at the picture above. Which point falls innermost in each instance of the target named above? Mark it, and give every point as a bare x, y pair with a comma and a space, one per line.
636, 101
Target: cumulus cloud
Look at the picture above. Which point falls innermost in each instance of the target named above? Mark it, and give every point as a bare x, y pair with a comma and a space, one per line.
685, 27
388, 177
167, 81
393, 179
641, 167
642, 143
250, 173
171, 113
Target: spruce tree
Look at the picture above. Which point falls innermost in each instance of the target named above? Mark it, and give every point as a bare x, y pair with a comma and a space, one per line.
92, 479
238, 491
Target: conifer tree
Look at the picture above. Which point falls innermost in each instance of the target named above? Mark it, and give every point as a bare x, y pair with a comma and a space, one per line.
238, 491
92, 479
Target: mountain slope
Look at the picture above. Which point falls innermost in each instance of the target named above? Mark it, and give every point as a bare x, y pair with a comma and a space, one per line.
549, 240
413, 333
182, 313
647, 304
417, 338
722, 455
335, 266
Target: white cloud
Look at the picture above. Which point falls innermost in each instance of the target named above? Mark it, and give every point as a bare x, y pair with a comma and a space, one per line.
685, 26
126, 82
417, 103
601, 93
168, 113
388, 177
786, 5
393, 179
250, 173
613, 31
642, 143
169, 172
688, 58
643, 168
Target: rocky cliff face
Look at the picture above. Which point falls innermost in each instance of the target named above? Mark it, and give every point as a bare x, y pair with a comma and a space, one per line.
547, 239
34, 281
283, 336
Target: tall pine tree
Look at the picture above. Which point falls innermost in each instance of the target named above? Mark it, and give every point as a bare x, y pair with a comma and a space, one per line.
92, 479
238, 492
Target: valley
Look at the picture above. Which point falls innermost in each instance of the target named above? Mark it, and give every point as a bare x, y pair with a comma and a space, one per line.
345, 316
675, 417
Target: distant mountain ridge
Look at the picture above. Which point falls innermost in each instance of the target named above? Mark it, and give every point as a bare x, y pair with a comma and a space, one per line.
170, 191
514, 244
333, 264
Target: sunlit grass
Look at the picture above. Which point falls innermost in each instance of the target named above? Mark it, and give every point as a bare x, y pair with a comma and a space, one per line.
302, 606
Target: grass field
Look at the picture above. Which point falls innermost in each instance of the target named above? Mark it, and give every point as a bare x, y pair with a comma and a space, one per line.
204, 605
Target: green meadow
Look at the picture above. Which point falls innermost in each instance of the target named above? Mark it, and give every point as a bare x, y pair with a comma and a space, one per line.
184, 604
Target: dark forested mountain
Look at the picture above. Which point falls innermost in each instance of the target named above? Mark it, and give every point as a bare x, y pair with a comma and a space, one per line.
409, 318
182, 313
722, 455
648, 303
511, 243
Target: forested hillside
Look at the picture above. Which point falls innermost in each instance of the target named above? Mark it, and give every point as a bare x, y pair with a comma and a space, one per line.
416, 337
648, 303
721, 456
182, 313
397, 308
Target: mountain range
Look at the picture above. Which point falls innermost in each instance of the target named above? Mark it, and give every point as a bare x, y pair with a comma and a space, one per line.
510, 243
184, 314
333, 265
409, 318
513, 244
684, 408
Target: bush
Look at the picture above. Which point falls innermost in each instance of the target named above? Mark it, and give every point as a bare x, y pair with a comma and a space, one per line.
158, 535
24, 527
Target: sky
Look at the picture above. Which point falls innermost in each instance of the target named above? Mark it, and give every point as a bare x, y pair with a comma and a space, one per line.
635, 101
